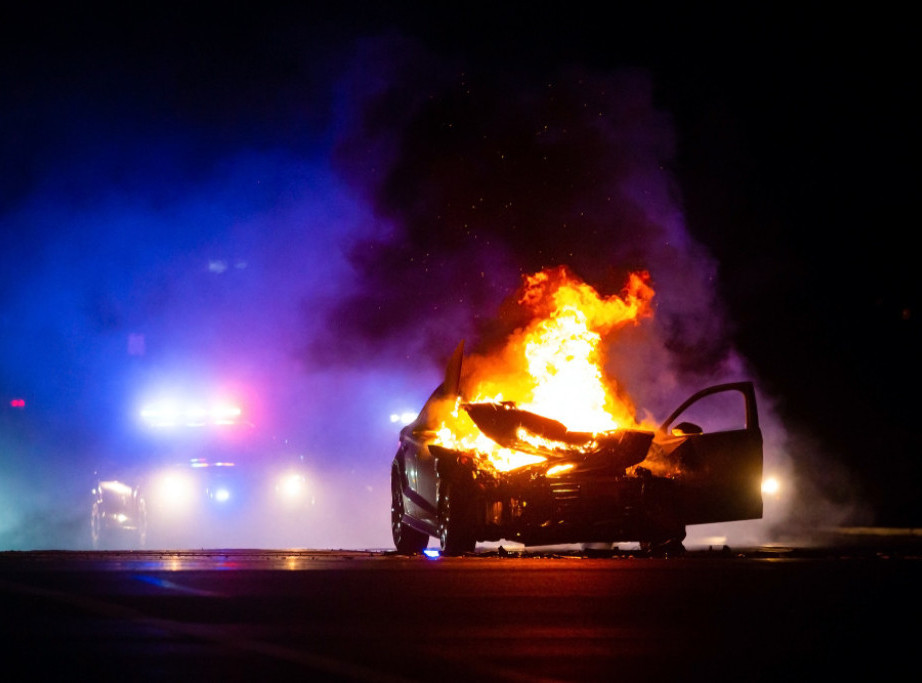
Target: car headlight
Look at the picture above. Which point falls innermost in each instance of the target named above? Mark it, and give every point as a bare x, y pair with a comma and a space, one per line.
221, 494
291, 486
175, 490
771, 486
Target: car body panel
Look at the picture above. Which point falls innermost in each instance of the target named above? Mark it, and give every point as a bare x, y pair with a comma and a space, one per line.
620, 486
720, 471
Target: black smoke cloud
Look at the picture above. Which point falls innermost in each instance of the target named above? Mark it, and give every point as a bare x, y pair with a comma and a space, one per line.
479, 176
326, 238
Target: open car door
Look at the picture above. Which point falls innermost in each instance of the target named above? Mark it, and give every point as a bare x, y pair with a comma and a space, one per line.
714, 445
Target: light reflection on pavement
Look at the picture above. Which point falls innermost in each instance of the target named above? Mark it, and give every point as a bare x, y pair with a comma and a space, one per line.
498, 614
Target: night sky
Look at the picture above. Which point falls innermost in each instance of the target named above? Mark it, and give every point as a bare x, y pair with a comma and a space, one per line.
318, 204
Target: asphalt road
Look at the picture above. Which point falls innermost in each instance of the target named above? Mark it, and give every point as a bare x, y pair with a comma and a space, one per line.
765, 614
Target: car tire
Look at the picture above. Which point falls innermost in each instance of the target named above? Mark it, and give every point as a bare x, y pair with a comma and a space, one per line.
456, 536
407, 540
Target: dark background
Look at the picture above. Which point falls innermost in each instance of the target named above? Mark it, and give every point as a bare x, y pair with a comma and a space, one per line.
794, 159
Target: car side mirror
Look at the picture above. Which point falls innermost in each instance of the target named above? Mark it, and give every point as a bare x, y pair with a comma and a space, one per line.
684, 428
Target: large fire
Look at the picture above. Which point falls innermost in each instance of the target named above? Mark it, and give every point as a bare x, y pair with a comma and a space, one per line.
553, 365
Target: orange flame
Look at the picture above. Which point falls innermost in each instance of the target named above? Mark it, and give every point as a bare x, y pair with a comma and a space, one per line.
553, 365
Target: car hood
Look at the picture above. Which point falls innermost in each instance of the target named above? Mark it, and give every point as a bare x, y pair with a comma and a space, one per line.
512, 427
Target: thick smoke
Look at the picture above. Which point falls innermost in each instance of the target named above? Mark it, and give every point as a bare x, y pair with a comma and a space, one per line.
480, 176
144, 249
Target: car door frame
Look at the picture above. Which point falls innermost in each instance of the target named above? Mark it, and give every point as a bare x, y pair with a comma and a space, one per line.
720, 472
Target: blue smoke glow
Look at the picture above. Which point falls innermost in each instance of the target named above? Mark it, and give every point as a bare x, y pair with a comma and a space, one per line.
314, 241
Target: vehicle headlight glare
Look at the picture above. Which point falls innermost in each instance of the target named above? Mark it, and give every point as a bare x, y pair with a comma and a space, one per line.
175, 490
291, 486
771, 486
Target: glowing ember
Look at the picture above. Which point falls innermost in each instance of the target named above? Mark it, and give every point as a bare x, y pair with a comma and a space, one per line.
552, 365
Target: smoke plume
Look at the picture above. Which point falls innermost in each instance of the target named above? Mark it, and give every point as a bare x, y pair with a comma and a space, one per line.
169, 227
477, 177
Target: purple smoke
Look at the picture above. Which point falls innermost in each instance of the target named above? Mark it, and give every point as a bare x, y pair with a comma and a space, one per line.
329, 270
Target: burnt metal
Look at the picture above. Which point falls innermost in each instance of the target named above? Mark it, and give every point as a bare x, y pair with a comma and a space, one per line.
626, 485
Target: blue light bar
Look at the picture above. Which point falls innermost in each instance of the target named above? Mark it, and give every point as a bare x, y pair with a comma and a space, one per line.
431, 553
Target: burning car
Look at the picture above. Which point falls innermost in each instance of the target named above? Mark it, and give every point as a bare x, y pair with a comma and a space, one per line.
555, 486
490, 468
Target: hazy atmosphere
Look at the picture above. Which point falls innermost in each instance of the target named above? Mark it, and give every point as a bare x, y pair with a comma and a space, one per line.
309, 211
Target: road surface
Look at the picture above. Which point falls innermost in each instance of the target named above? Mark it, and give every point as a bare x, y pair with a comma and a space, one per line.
764, 614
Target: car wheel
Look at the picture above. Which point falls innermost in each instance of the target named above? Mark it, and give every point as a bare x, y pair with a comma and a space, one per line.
407, 540
455, 534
